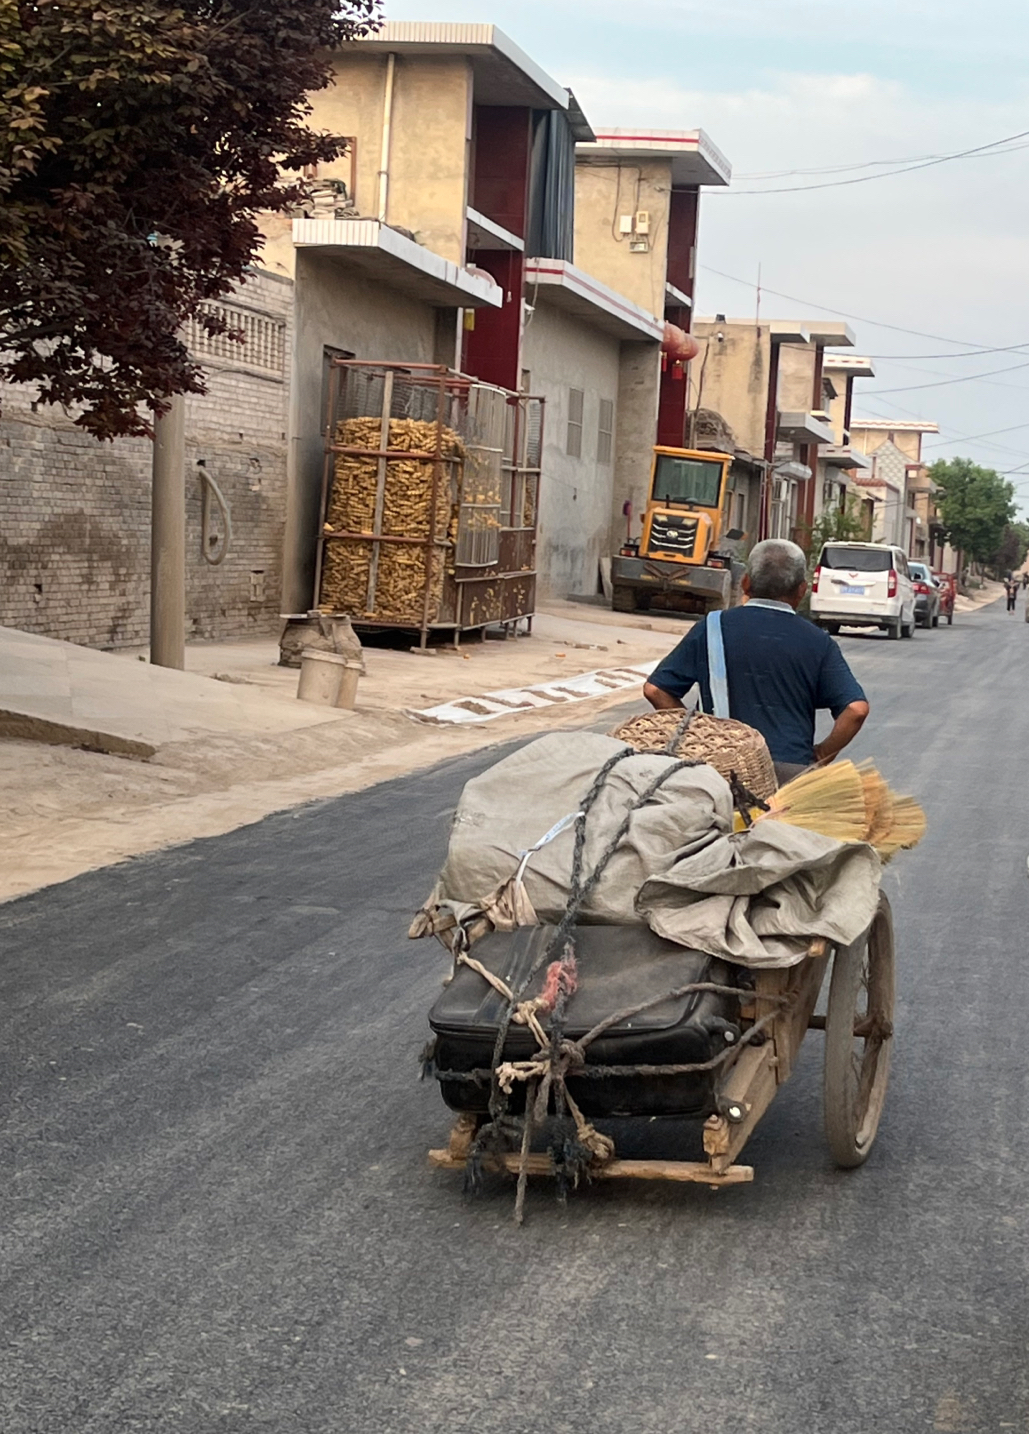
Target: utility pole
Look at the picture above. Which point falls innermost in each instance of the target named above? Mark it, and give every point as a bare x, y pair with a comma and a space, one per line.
168, 539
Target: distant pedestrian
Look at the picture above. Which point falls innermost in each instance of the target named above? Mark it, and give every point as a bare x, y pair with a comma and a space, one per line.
1011, 588
1025, 581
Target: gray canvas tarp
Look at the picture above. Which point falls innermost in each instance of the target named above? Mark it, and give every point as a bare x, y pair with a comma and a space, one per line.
755, 897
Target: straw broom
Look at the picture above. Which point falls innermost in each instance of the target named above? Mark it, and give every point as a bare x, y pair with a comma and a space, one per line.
907, 828
830, 800
895, 823
849, 803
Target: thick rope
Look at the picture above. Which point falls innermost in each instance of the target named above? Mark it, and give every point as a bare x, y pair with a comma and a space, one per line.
546, 1072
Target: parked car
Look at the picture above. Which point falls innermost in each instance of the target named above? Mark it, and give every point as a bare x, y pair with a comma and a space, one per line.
927, 595
948, 585
863, 585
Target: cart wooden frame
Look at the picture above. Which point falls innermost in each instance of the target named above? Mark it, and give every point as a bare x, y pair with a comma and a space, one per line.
858, 1027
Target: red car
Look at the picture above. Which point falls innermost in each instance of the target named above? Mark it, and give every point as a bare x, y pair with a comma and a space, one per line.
948, 585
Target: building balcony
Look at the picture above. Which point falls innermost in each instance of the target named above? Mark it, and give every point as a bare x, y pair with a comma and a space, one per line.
804, 428
694, 159
388, 257
840, 456
557, 282
485, 233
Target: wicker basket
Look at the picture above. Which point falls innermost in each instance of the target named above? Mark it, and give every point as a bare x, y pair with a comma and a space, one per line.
723, 743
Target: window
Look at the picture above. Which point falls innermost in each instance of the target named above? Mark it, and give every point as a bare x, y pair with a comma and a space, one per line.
573, 446
860, 560
687, 480
605, 430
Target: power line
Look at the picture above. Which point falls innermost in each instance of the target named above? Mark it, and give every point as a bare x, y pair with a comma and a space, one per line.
978, 150
974, 437
861, 318
870, 398
968, 353
952, 438
846, 168
943, 382
916, 368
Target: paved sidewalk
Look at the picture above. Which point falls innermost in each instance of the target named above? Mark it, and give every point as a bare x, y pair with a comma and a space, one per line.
60, 693
225, 753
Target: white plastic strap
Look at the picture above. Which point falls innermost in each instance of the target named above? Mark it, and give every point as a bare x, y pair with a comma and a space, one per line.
716, 665
555, 831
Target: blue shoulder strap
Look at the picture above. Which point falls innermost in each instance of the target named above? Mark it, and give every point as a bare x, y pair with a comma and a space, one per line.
716, 665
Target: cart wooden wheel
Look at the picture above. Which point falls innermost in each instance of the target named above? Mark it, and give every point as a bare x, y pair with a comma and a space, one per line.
859, 1040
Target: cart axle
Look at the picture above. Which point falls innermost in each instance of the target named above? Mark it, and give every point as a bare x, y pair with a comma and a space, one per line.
696, 1172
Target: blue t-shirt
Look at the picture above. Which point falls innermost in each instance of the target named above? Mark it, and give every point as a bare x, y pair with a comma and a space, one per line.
781, 669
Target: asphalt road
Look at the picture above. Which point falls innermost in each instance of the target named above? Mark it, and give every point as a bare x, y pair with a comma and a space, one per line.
216, 1214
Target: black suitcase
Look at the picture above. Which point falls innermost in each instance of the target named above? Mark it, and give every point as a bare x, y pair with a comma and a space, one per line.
618, 967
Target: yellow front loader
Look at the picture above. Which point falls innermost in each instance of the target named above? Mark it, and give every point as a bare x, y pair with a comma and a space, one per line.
680, 562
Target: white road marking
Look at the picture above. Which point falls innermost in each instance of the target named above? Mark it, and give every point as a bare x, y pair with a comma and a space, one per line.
510, 700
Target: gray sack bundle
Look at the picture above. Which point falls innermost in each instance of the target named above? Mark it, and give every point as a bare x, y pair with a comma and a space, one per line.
756, 897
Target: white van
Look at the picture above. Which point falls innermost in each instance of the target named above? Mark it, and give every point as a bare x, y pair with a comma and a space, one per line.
863, 585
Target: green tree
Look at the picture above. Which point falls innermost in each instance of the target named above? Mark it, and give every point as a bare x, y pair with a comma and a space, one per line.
1012, 550
975, 504
138, 139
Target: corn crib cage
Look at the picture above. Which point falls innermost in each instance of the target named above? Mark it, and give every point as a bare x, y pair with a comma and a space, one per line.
430, 499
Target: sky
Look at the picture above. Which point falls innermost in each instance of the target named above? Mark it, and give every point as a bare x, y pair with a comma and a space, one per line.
809, 85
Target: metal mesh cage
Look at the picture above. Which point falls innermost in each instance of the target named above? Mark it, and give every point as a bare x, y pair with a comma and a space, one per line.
482, 425
429, 497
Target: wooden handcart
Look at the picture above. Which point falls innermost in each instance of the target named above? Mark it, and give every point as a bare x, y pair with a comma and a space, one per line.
858, 1029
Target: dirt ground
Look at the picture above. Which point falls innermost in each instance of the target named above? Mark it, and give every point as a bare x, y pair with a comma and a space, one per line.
64, 811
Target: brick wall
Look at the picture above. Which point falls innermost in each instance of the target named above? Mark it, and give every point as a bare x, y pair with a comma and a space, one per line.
75, 514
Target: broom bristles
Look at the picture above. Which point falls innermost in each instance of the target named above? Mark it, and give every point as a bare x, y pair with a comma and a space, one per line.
852, 804
830, 800
878, 802
907, 828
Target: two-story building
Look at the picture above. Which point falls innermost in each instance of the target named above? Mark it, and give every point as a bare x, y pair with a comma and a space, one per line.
900, 486
471, 224
786, 397
476, 220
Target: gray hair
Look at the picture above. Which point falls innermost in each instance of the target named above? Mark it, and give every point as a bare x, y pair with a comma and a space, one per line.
777, 568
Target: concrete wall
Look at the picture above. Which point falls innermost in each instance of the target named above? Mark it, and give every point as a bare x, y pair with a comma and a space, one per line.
431, 131
639, 383
75, 515
797, 378
562, 352
888, 522
838, 406
429, 149
867, 440
742, 504
428, 186
602, 193
731, 376
340, 308
891, 470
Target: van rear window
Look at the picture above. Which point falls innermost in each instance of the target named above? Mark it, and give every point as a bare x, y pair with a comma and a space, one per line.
863, 560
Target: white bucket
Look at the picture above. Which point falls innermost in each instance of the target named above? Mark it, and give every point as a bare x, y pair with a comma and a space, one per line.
321, 677
348, 683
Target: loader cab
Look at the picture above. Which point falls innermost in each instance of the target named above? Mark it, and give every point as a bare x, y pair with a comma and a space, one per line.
683, 521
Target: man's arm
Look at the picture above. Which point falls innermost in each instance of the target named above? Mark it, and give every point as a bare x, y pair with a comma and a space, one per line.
676, 675
657, 697
846, 727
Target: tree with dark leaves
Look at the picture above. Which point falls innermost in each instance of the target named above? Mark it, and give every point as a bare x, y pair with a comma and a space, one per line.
1013, 547
138, 140
975, 505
